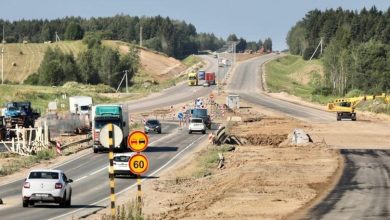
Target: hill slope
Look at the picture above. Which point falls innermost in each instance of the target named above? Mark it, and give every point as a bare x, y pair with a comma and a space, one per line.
21, 60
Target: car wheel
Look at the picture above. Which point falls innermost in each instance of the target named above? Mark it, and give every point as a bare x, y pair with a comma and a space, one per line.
69, 202
204, 132
189, 132
95, 150
159, 131
63, 201
25, 204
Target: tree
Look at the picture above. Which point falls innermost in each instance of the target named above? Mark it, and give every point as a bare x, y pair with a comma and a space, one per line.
267, 45
74, 32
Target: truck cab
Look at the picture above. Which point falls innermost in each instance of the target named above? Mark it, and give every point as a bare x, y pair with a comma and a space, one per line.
104, 114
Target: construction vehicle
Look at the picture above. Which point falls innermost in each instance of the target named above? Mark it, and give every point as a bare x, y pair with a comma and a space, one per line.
345, 107
201, 74
21, 114
192, 79
109, 113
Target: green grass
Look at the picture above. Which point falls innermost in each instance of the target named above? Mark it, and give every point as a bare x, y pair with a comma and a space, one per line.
20, 162
287, 74
191, 60
208, 160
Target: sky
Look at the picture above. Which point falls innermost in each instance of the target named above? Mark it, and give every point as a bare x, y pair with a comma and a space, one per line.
250, 19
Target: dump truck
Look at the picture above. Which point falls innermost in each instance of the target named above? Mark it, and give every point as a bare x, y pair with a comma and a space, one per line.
210, 78
21, 114
200, 113
109, 113
192, 79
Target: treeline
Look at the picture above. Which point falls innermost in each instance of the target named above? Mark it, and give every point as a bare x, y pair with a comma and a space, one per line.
173, 37
356, 48
97, 64
242, 44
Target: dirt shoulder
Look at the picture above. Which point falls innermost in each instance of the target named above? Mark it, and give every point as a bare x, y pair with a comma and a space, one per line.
267, 178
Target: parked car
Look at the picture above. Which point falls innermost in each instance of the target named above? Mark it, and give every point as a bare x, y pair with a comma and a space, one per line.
197, 124
47, 186
121, 164
152, 125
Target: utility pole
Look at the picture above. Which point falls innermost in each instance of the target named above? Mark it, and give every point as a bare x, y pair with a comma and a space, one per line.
2, 59
140, 35
127, 88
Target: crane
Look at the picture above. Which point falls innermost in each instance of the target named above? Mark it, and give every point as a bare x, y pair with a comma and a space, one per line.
345, 107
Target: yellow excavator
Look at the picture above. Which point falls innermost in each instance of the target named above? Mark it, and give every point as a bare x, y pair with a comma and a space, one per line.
345, 107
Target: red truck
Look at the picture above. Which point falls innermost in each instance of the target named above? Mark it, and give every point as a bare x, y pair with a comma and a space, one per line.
210, 78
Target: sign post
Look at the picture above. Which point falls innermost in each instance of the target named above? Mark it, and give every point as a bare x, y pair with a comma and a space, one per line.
180, 117
111, 136
139, 163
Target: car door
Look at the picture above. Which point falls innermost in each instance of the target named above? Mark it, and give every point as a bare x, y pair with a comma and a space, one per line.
66, 184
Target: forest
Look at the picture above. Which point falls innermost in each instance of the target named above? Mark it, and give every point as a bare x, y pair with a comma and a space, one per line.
356, 48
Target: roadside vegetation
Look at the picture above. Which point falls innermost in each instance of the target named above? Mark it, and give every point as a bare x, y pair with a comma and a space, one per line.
208, 159
191, 60
17, 162
356, 48
296, 76
128, 211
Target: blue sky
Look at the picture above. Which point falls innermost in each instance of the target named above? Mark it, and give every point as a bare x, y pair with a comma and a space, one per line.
250, 19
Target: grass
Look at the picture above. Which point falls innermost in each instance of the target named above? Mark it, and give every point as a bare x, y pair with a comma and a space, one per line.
128, 211
191, 60
288, 74
208, 160
21, 60
20, 162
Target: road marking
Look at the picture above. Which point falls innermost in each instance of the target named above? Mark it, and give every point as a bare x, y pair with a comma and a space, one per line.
132, 186
106, 167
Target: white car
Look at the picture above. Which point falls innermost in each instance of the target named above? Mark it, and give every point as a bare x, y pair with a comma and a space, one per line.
47, 186
197, 124
121, 164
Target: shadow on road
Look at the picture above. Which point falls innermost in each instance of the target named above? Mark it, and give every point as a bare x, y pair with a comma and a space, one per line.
71, 207
161, 149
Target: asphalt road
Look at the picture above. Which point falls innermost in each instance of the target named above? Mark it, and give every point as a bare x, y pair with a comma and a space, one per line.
177, 94
90, 172
364, 189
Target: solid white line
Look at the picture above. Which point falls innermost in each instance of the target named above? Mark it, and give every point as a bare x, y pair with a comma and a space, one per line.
132, 186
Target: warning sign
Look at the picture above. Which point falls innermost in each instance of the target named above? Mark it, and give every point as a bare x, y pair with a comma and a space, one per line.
137, 141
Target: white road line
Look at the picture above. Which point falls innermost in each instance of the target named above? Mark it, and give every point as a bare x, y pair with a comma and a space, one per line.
132, 186
106, 167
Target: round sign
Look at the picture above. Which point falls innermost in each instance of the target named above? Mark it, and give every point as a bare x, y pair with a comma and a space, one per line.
117, 138
137, 141
180, 115
138, 164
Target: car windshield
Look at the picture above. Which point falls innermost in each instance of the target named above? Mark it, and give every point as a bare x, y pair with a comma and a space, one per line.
196, 120
121, 158
152, 122
43, 175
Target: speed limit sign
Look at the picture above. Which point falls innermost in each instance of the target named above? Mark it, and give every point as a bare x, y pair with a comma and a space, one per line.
138, 164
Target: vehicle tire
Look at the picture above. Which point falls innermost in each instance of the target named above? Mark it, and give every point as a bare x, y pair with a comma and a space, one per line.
95, 150
63, 201
69, 201
338, 118
25, 204
159, 131
204, 132
189, 132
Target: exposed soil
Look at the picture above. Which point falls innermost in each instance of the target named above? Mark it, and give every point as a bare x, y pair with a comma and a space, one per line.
267, 178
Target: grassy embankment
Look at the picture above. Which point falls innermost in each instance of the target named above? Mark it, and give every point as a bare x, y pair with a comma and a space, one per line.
293, 75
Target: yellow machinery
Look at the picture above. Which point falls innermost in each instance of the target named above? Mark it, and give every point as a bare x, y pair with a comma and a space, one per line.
192, 79
345, 107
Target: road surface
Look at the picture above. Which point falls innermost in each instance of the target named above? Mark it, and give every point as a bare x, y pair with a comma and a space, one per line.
364, 188
90, 172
